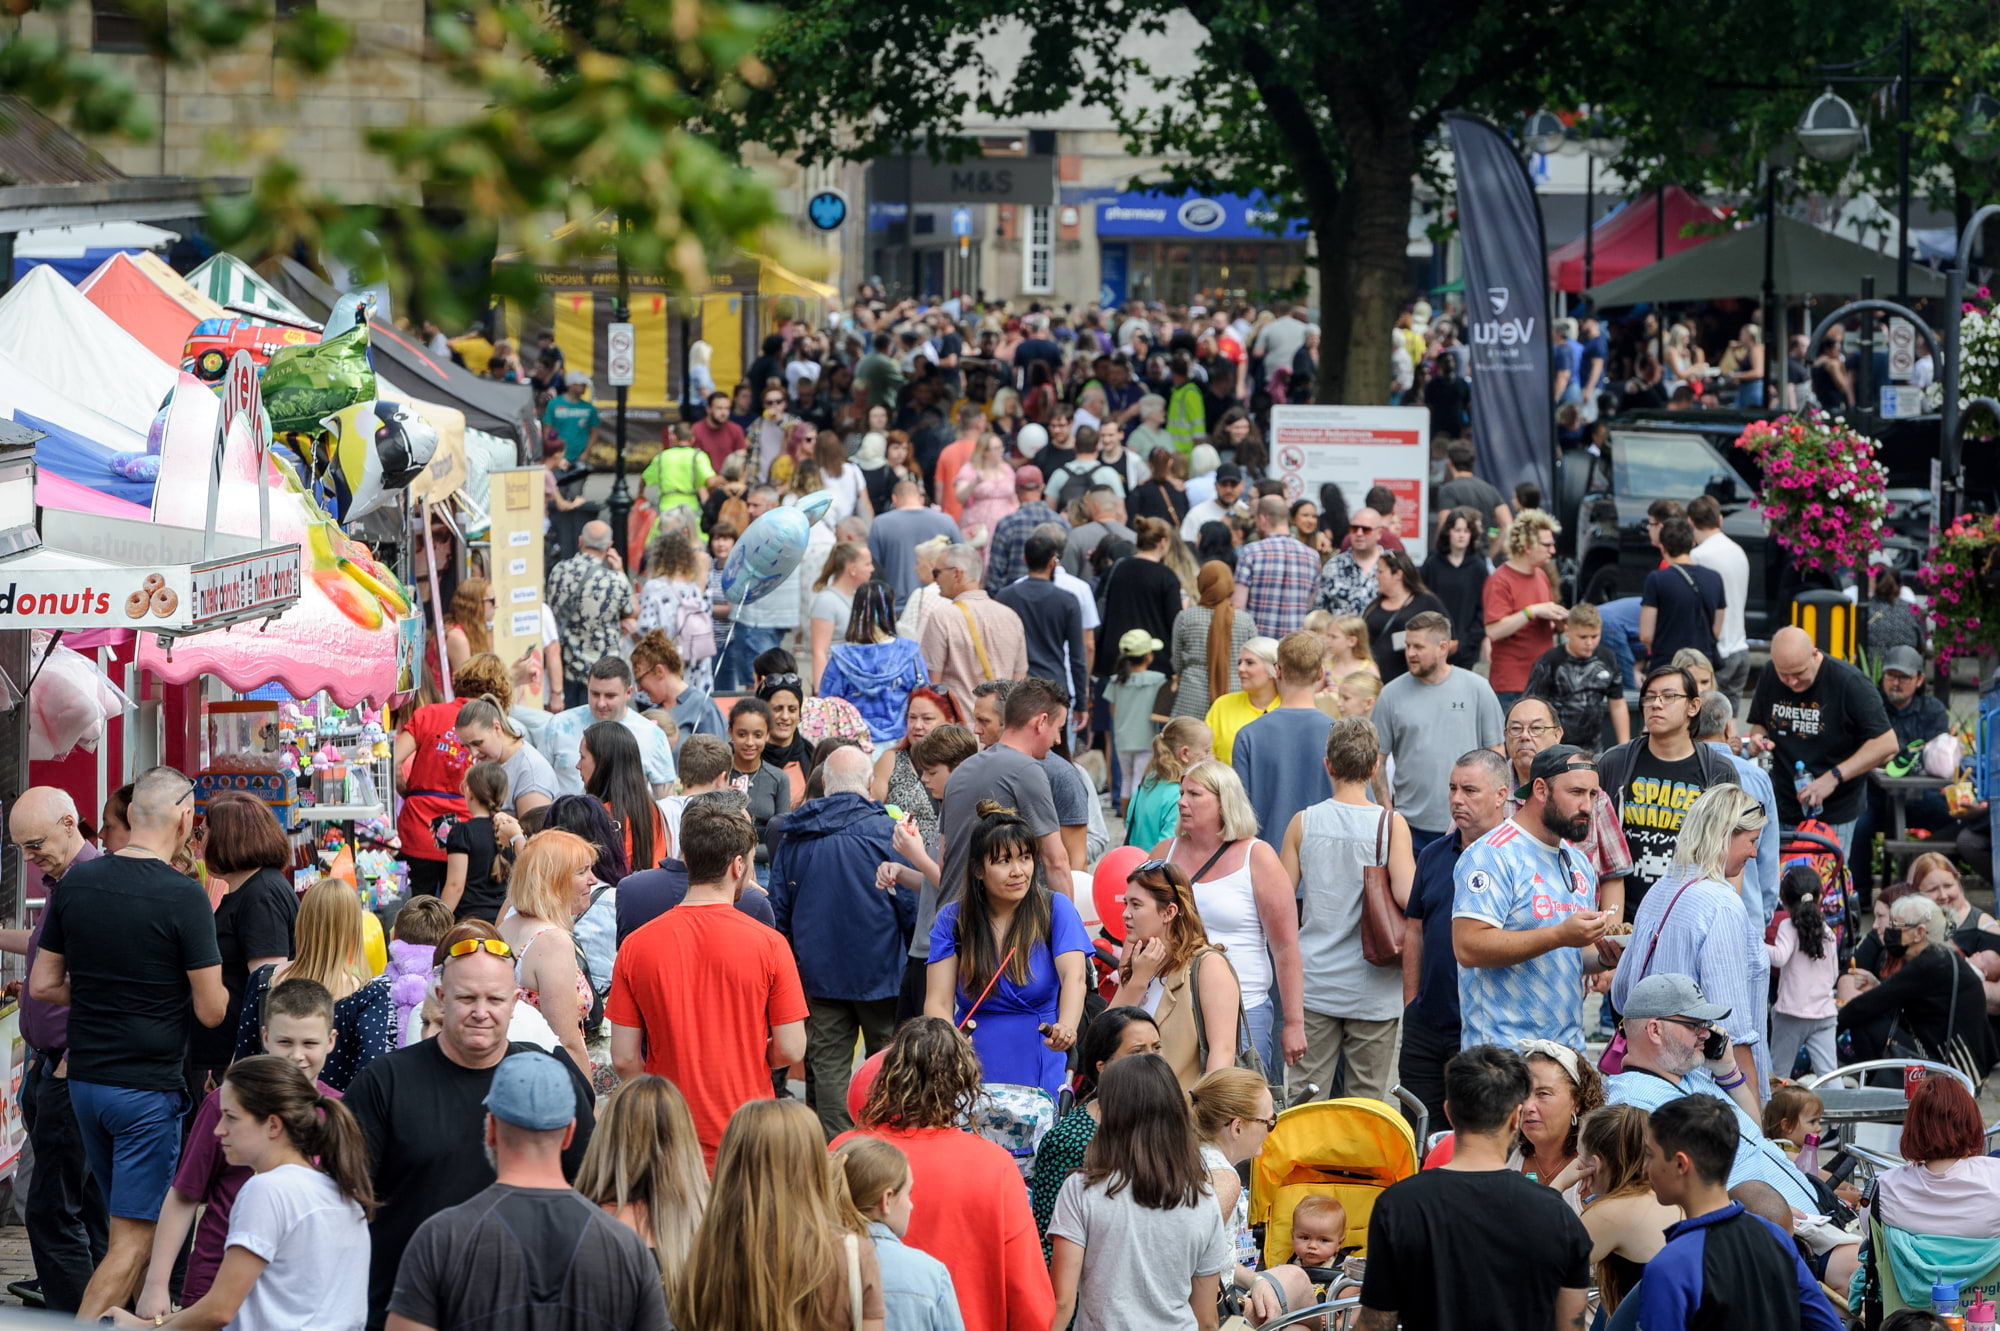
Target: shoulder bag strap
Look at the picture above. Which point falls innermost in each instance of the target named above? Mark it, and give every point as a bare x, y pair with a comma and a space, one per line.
1208, 863
1194, 997
978, 645
1664, 915
1382, 841
853, 1247
1700, 596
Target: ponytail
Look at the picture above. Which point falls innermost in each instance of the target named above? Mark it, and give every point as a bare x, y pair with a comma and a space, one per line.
321, 1128
1182, 732
485, 710
1799, 891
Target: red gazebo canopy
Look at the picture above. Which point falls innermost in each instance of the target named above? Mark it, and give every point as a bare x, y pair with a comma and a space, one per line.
1625, 240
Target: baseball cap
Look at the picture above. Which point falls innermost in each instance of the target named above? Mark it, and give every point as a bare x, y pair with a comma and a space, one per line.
1904, 660
1670, 995
531, 1090
1137, 642
1228, 471
1551, 763
1028, 477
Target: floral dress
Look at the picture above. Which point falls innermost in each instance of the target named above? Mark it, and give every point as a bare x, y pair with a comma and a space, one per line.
660, 604
602, 1078
906, 791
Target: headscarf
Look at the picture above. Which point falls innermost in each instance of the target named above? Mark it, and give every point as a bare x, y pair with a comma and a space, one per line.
1217, 588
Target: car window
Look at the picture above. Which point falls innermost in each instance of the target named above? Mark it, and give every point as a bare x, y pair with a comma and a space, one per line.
1669, 466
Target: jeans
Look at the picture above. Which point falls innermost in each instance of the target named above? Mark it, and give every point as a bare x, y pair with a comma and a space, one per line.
733, 673
64, 1209
1420, 1069
1263, 1023
830, 1031
576, 693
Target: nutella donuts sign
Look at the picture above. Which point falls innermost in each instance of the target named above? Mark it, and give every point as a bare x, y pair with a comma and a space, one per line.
90, 597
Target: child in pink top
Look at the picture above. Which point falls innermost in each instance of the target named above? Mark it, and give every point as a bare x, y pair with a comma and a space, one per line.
1807, 964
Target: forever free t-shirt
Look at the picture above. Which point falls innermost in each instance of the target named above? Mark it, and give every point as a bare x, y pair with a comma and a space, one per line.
129, 929
1835, 715
1654, 804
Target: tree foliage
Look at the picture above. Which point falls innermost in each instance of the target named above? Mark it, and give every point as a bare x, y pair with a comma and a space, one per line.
571, 132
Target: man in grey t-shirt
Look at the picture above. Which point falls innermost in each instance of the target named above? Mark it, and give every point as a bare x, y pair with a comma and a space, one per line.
894, 536
1424, 720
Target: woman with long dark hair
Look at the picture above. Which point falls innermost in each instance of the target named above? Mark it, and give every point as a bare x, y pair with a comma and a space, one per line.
298, 1230
608, 761
1400, 597
1145, 1158
1456, 573
1214, 544
1115, 1033
1007, 958
873, 668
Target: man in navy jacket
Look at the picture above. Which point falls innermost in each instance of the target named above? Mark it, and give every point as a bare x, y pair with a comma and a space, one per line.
850, 937
1721, 1267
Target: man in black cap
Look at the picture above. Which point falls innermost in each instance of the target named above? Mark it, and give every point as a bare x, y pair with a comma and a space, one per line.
1917, 717
1524, 914
1228, 490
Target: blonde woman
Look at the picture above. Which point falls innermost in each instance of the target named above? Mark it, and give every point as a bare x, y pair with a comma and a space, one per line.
547, 888
1233, 1113
926, 597
1694, 922
1347, 649
1257, 670
985, 490
781, 1245
328, 950
644, 1166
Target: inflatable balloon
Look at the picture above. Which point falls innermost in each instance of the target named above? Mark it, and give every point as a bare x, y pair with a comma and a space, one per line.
863, 1078
303, 385
376, 449
372, 947
765, 556
356, 307
1107, 887
815, 505
213, 342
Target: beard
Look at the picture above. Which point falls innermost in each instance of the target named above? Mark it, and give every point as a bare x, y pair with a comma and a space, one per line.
1569, 829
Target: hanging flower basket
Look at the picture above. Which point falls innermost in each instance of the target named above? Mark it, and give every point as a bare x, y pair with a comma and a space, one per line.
1978, 364
1962, 581
1824, 494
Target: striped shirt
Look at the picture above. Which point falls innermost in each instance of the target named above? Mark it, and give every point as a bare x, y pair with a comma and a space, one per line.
1756, 1157
1279, 576
1710, 936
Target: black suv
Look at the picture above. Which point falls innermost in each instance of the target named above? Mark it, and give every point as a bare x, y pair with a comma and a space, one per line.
1603, 504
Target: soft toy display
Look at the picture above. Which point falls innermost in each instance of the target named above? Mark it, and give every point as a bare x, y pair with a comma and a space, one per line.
303, 385
374, 449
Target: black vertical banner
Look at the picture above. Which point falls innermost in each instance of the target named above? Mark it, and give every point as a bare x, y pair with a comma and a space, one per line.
1506, 308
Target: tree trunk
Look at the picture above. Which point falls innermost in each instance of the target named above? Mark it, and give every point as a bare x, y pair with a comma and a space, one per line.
1362, 245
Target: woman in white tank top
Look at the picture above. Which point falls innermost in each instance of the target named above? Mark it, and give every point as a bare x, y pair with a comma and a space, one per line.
1246, 904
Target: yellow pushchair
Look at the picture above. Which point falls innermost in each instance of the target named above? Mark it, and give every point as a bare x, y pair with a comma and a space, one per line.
1348, 1149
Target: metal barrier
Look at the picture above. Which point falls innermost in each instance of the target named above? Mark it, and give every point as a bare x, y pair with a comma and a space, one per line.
1884, 1064
1346, 1303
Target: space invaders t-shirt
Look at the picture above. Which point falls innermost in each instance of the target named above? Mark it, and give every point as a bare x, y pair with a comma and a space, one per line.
1654, 803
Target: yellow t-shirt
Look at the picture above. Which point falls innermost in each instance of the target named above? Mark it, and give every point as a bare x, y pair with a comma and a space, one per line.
1229, 714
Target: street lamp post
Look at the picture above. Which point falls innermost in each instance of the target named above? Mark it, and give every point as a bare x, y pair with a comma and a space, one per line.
619, 505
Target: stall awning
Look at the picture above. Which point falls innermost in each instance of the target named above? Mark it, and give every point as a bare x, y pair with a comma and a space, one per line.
1630, 238
774, 279
1805, 261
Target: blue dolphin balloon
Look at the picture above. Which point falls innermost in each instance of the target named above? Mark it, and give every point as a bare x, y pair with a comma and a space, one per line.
815, 505
765, 556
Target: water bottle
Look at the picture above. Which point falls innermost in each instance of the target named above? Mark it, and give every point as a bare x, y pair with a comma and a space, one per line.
1809, 1155
1800, 780
1945, 1304
1980, 1315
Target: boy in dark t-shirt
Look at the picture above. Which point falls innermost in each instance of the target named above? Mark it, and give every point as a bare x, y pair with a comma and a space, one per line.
1581, 678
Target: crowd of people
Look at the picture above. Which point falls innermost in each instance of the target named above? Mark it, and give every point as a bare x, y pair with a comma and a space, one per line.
1392, 825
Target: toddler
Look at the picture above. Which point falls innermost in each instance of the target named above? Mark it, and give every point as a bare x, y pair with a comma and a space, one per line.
1807, 964
1792, 1114
1131, 697
1153, 813
1319, 1232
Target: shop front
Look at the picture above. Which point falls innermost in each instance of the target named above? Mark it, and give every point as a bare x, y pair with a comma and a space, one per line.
1206, 249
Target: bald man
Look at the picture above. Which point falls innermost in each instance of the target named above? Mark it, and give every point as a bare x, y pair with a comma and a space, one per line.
1821, 717
64, 1208
850, 938
128, 945
591, 599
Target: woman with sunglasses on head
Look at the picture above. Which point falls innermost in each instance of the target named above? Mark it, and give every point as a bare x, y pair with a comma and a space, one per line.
547, 885
873, 668
1170, 969
328, 950
1007, 959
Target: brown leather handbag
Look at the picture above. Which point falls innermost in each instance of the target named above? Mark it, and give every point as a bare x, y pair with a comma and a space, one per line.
1381, 917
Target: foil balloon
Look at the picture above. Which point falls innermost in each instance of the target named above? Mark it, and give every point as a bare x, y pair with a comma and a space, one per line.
213, 342
303, 385
352, 309
376, 449
765, 556
815, 505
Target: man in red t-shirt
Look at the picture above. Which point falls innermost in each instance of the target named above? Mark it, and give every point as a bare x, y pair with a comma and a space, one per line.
704, 995
715, 434
971, 425
1521, 611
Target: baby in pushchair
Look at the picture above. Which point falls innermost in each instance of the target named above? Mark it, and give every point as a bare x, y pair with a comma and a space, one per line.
1321, 1260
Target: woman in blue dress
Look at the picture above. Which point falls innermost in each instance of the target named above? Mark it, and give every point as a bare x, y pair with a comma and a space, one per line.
1010, 954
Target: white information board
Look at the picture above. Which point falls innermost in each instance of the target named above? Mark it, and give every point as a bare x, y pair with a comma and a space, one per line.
1358, 448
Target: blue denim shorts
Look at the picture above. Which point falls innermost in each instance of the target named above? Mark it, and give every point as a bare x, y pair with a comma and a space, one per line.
132, 1140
